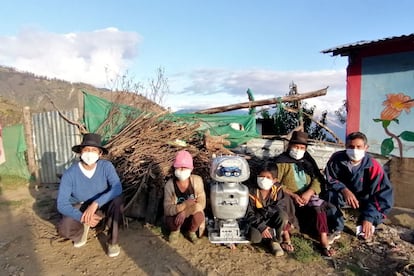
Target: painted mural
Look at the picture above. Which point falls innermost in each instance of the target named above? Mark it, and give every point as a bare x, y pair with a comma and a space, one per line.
387, 97
395, 104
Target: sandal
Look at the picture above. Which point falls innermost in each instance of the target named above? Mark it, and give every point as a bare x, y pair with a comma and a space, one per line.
328, 251
287, 246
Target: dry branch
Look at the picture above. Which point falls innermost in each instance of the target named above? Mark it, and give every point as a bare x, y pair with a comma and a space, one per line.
143, 153
251, 104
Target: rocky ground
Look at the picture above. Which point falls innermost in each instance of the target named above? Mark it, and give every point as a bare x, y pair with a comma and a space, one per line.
29, 246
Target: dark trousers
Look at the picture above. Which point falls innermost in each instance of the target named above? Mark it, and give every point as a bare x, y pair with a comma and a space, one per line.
278, 223
72, 229
336, 217
312, 219
191, 223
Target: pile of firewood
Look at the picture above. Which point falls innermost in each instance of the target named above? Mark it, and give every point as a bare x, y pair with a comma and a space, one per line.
143, 154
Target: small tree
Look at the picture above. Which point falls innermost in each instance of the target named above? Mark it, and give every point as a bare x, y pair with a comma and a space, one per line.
288, 116
155, 89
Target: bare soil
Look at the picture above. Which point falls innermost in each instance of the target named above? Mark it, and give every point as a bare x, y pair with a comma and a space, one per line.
29, 245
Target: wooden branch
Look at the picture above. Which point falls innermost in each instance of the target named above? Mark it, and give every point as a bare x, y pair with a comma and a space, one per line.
251, 104
82, 128
338, 140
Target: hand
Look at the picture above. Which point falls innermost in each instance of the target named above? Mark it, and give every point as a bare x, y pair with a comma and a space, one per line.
306, 196
95, 220
298, 200
266, 233
179, 219
88, 217
190, 202
367, 229
350, 198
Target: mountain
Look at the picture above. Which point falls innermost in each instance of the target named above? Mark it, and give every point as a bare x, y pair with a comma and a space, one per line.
19, 89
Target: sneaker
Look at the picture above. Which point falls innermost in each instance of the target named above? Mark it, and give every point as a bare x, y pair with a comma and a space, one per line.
277, 249
113, 250
334, 236
173, 237
192, 236
84, 237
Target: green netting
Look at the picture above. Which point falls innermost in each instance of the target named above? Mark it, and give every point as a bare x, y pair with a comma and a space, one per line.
14, 148
225, 124
97, 110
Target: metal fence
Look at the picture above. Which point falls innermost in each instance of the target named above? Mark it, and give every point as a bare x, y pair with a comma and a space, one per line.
53, 138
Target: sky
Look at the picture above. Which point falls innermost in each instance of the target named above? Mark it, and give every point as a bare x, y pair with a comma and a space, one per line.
210, 52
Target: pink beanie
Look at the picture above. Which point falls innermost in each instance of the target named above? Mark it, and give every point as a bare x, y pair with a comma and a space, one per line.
183, 159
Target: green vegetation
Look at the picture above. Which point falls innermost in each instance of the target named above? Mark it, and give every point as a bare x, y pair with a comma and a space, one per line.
12, 203
8, 182
304, 250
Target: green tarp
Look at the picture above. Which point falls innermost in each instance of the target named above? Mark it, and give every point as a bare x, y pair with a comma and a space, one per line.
97, 110
14, 148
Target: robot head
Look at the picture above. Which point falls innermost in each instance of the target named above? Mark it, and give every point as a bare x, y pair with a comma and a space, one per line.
229, 169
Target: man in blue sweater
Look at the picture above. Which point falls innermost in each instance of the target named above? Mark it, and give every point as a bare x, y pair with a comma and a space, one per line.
90, 190
356, 179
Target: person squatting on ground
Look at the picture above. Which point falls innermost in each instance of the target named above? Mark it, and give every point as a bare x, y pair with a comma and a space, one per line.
357, 180
301, 178
184, 199
90, 193
266, 215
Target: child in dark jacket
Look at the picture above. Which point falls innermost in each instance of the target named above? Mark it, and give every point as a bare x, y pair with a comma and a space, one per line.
267, 213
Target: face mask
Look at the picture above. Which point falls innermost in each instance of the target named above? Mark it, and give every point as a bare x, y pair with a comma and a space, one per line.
296, 154
182, 174
90, 157
355, 154
264, 183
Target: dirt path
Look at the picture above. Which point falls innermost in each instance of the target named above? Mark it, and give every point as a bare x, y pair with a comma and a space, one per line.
29, 246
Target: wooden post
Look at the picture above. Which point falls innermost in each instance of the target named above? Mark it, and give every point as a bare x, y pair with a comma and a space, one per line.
27, 122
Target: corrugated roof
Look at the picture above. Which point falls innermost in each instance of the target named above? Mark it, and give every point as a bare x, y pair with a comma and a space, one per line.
346, 48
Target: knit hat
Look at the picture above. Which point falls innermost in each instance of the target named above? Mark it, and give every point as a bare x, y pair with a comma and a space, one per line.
183, 159
92, 140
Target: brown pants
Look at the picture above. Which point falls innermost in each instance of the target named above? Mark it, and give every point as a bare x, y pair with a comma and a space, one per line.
72, 229
192, 223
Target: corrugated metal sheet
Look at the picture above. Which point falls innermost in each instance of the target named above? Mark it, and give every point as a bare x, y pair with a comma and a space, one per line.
53, 138
362, 43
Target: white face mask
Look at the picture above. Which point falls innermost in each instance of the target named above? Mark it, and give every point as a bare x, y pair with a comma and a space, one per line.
89, 157
296, 153
264, 183
355, 154
182, 174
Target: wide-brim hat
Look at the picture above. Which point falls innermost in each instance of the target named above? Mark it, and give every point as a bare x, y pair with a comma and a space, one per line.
299, 137
91, 140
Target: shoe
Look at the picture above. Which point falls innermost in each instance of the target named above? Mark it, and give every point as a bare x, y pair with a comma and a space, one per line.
277, 249
173, 237
334, 236
113, 250
84, 237
192, 236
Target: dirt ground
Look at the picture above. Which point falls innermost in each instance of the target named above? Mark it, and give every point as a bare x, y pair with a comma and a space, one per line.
29, 246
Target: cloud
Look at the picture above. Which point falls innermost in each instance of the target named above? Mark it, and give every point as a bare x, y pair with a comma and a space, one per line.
219, 87
90, 57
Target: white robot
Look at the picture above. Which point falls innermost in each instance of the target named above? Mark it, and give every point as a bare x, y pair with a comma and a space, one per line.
229, 199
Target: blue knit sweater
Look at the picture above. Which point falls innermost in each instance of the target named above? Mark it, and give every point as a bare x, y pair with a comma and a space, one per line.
75, 188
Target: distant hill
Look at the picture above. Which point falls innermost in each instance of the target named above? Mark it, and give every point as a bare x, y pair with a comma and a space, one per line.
19, 89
